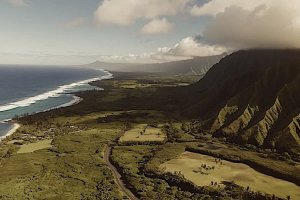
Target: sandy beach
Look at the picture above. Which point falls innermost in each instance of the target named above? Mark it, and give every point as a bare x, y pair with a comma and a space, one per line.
15, 126
11, 131
74, 101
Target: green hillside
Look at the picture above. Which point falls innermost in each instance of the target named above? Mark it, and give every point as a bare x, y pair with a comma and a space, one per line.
251, 97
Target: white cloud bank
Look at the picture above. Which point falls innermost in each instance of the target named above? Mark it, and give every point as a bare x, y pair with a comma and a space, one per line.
189, 47
157, 26
239, 24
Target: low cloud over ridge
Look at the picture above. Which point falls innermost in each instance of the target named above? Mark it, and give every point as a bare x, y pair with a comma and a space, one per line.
274, 24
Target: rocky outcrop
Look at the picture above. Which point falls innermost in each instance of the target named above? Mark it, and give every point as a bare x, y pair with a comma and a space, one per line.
241, 121
222, 116
291, 137
257, 133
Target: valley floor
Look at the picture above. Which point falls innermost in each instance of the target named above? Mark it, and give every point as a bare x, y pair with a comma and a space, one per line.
119, 144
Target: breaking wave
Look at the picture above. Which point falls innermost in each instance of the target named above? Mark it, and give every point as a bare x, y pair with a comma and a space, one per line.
50, 94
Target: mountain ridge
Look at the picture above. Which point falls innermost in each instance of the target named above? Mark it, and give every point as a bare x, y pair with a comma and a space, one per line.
252, 97
196, 66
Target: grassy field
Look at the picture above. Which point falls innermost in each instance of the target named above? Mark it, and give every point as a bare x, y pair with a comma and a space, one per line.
31, 147
130, 160
267, 163
203, 170
88, 117
72, 168
143, 133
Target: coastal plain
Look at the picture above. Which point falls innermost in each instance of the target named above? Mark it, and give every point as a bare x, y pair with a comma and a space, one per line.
144, 137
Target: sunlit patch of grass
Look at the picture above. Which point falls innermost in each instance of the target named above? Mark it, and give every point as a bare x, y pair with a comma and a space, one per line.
142, 133
203, 170
31, 147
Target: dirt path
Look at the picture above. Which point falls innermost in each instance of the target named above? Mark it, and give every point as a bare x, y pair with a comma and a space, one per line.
117, 175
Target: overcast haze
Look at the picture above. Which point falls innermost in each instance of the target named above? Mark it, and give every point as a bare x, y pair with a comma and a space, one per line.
82, 31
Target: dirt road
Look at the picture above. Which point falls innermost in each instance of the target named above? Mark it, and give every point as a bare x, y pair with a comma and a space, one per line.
117, 175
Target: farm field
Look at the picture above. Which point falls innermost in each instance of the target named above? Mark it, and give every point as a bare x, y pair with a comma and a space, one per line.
206, 170
143, 133
31, 147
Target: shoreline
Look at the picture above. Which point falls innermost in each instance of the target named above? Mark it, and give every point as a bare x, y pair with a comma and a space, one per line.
76, 100
15, 127
62, 89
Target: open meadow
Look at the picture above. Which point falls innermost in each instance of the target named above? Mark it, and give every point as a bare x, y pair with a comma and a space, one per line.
31, 147
206, 170
143, 133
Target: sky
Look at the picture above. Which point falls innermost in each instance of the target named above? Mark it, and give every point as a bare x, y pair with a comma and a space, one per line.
73, 32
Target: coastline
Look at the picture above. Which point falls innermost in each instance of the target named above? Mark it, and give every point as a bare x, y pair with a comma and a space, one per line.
62, 89
15, 127
74, 101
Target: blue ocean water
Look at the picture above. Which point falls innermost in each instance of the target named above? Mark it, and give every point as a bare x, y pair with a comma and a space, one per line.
30, 89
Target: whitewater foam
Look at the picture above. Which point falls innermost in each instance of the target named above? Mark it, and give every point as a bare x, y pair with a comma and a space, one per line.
50, 94
14, 128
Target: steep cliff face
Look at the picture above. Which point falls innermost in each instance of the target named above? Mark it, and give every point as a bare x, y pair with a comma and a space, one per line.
252, 97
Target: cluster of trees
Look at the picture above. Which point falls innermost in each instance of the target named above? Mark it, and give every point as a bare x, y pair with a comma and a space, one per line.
172, 132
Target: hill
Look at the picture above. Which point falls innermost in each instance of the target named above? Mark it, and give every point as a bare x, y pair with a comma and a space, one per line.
251, 97
197, 65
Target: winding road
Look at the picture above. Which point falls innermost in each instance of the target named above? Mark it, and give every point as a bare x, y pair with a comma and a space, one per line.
117, 175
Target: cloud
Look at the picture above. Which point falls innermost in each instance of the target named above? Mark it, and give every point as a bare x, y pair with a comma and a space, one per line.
126, 12
157, 26
274, 24
185, 49
18, 2
233, 24
76, 22
190, 47
69, 58
130, 58
213, 7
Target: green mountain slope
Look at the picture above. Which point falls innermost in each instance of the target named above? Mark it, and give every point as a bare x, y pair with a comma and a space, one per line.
251, 97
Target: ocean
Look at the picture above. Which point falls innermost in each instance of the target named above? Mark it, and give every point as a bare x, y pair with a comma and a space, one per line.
31, 89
